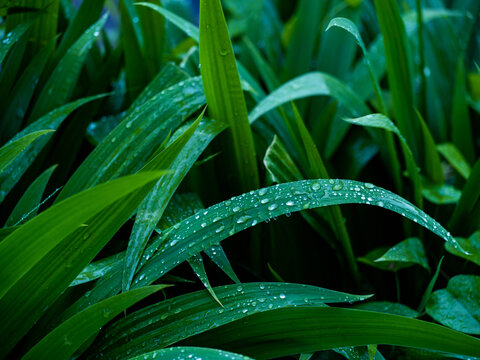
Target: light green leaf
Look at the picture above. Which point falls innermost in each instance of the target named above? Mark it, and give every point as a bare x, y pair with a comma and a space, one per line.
455, 158
440, 194
64, 340
52, 248
223, 90
407, 251
181, 317
457, 305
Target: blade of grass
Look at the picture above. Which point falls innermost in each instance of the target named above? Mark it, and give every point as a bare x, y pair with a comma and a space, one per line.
12, 174
399, 70
181, 317
70, 335
223, 90
52, 248
61, 83
285, 332
455, 158
27, 206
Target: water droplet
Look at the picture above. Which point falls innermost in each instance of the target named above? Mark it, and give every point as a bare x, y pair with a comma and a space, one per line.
262, 192
264, 201
203, 225
369, 186
243, 219
244, 311
315, 186
239, 288
236, 209
114, 139
128, 125
164, 316
220, 229
338, 186
290, 203
218, 218
282, 296
272, 207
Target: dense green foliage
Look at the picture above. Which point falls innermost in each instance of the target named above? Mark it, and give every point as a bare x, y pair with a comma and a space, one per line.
135, 137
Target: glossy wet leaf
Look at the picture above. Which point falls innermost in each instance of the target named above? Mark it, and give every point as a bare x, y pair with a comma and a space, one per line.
190, 352
308, 329
471, 245
11, 38
223, 90
408, 251
151, 208
181, 317
441, 194
457, 305
98, 268
135, 139
229, 217
64, 340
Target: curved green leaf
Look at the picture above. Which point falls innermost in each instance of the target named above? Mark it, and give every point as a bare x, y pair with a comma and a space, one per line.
12, 37
290, 331
62, 342
407, 251
189, 352
471, 246
181, 317
311, 84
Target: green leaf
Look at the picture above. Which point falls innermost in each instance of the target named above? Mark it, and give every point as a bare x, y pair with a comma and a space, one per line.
151, 209
12, 37
127, 148
27, 206
175, 353
388, 307
12, 174
471, 246
455, 158
196, 263
223, 90
428, 290
179, 318
52, 248
407, 251
311, 84
399, 70
457, 305
16, 105
98, 268
13, 149
465, 211
229, 217
383, 122
186, 26
461, 125
306, 329
440, 194
65, 339
433, 166
61, 83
